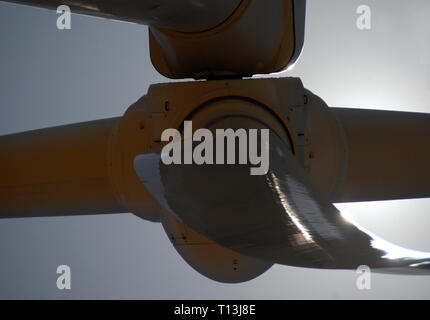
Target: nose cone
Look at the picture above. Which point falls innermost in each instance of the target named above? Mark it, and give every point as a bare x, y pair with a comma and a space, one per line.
247, 213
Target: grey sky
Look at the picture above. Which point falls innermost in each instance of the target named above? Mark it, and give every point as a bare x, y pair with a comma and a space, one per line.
96, 70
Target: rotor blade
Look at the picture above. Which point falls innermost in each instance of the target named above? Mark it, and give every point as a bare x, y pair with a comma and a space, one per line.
179, 15
387, 155
276, 217
64, 170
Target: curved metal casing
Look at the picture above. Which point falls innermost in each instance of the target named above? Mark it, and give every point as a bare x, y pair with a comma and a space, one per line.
255, 39
316, 144
208, 258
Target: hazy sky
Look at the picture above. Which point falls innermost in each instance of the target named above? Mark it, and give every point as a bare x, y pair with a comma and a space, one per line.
96, 70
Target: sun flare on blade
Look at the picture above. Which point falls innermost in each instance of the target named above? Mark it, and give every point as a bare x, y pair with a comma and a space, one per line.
392, 251
274, 182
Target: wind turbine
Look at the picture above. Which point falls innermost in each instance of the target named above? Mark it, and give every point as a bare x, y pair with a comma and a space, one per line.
228, 225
